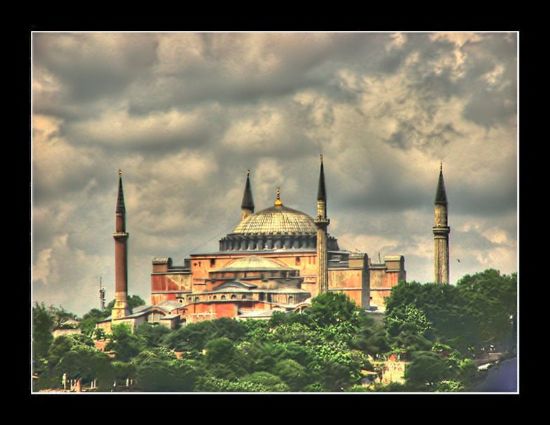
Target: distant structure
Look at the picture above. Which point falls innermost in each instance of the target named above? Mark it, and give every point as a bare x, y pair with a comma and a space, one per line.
441, 232
101, 295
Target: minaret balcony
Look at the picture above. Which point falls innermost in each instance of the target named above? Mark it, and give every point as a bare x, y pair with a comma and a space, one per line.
441, 230
321, 221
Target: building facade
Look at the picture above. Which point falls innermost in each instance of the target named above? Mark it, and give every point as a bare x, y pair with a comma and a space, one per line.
276, 259
290, 238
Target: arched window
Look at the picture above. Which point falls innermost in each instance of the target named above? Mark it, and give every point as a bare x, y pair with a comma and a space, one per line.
196, 298
244, 297
233, 297
214, 297
223, 297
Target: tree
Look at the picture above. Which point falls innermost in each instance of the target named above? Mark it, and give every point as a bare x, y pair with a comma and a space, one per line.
195, 336
152, 333
162, 375
42, 326
441, 305
331, 308
269, 381
125, 344
60, 315
407, 319
426, 370
90, 319
220, 350
491, 301
292, 373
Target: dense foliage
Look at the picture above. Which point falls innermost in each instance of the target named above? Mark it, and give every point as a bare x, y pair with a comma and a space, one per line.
437, 329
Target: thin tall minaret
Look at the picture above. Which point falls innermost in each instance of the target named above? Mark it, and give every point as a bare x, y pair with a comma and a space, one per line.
322, 222
441, 233
247, 205
120, 235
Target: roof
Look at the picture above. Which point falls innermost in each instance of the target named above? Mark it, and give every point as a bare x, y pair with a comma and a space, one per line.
322, 192
248, 202
253, 263
257, 313
120, 208
277, 219
440, 195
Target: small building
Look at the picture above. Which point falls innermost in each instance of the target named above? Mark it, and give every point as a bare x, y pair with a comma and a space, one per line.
68, 327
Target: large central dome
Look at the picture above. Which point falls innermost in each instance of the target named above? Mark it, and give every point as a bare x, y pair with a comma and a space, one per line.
274, 228
278, 219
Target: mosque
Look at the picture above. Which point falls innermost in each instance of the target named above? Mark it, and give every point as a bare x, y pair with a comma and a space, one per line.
276, 259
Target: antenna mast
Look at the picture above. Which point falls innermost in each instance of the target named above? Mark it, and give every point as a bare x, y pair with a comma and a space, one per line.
101, 295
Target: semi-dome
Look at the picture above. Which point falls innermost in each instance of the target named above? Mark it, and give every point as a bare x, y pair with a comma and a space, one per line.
254, 262
278, 219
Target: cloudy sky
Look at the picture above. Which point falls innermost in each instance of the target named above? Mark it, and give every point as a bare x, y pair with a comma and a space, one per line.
184, 115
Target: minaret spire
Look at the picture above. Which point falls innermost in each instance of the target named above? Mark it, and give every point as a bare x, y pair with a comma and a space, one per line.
322, 222
120, 235
120, 207
441, 195
321, 191
247, 205
441, 232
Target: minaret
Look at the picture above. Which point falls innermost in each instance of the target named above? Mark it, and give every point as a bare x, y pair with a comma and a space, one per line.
247, 205
441, 233
322, 222
120, 308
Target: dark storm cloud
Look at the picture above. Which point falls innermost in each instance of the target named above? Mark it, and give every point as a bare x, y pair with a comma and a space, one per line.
90, 66
185, 115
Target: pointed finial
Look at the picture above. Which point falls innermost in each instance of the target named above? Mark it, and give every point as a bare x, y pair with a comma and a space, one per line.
119, 172
278, 202
247, 173
441, 167
321, 157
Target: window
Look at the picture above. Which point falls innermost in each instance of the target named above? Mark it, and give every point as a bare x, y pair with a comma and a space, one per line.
212, 262
244, 297
180, 300
233, 297
297, 261
223, 297
214, 297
